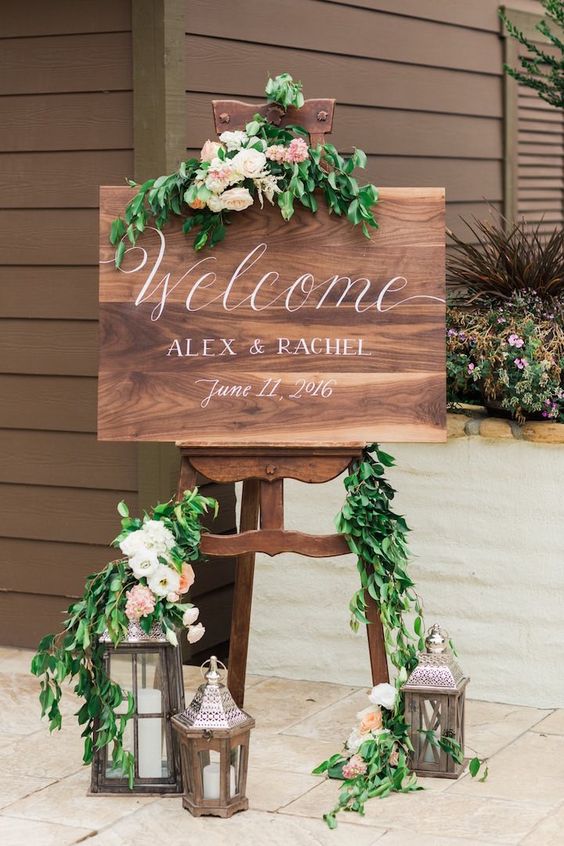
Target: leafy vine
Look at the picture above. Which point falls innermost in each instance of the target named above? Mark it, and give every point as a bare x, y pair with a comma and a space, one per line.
376, 763
127, 589
263, 161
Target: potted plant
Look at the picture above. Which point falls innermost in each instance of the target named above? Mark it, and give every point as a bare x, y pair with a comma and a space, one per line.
505, 321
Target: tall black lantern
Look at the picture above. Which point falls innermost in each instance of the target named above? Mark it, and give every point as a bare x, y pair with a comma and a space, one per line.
434, 707
149, 667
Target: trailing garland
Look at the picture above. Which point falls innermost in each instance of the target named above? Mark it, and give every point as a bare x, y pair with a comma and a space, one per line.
375, 759
145, 586
263, 161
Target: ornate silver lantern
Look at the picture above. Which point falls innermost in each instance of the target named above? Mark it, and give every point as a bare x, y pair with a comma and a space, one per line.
149, 667
434, 707
214, 744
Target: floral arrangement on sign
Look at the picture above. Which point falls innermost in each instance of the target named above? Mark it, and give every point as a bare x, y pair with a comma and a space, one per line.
505, 327
375, 758
262, 162
145, 586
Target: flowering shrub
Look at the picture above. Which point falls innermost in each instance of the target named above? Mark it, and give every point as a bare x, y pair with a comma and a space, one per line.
509, 355
262, 162
145, 586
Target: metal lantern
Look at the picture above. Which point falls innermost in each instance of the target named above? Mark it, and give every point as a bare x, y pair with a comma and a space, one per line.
149, 667
214, 744
434, 706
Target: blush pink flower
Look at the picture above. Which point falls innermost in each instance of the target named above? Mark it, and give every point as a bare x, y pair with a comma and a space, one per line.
276, 153
521, 363
515, 341
186, 578
354, 767
297, 151
140, 602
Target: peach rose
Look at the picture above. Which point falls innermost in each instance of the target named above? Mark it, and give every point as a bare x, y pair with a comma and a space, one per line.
197, 203
371, 722
210, 150
236, 199
186, 578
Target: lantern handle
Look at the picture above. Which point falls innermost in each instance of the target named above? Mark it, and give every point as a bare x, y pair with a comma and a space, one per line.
213, 662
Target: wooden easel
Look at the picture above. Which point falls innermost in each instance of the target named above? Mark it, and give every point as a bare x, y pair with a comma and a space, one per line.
263, 468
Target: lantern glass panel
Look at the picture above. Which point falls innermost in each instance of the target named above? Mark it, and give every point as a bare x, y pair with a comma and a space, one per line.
237, 765
151, 721
430, 721
121, 673
210, 764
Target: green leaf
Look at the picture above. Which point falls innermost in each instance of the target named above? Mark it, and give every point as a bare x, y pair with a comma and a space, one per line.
474, 767
120, 252
122, 509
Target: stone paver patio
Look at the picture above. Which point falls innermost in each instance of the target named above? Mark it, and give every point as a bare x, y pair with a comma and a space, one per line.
43, 786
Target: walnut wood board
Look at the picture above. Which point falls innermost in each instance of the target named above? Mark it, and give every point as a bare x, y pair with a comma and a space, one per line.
303, 332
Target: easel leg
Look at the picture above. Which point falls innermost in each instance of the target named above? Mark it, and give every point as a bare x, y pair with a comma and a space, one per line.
376, 647
243, 597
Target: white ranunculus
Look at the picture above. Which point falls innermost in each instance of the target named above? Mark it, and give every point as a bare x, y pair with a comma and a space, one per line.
164, 580
171, 637
209, 151
195, 633
354, 740
144, 563
249, 163
236, 199
234, 140
190, 615
215, 203
158, 537
133, 543
385, 695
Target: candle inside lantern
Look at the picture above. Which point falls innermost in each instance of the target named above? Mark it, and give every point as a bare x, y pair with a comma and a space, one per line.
211, 773
149, 733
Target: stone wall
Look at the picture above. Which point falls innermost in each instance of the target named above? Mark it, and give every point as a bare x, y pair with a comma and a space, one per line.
487, 514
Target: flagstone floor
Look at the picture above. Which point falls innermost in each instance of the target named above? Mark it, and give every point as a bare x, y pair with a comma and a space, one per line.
43, 786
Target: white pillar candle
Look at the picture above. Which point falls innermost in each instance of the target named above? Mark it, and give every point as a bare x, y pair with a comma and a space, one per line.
149, 734
211, 774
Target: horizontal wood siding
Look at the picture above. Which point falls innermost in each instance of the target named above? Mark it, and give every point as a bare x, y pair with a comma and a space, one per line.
66, 116
418, 84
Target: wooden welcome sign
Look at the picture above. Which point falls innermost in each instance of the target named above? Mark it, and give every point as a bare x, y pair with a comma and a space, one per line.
285, 333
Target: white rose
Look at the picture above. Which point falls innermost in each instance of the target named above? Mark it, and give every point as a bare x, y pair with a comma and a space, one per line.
164, 580
236, 199
190, 616
249, 163
144, 563
133, 543
215, 203
234, 140
157, 537
354, 740
385, 695
171, 637
210, 150
195, 633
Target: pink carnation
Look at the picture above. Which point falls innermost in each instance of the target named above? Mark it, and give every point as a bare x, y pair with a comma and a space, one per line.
354, 767
276, 153
140, 602
297, 151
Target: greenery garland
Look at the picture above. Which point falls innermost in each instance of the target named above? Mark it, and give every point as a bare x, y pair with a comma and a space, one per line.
378, 537
161, 545
264, 161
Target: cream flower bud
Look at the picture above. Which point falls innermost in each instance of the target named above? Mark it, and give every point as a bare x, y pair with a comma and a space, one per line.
196, 633
190, 616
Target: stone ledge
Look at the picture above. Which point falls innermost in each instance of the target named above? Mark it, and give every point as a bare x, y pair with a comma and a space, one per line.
474, 421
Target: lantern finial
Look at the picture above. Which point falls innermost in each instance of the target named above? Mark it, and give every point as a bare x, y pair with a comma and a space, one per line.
213, 675
436, 641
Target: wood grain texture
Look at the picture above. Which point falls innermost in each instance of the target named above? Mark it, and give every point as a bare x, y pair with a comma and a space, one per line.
69, 179
59, 64
91, 121
274, 541
399, 86
393, 391
65, 17
349, 31
68, 459
49, 292
62, 403
386, 131
52, 347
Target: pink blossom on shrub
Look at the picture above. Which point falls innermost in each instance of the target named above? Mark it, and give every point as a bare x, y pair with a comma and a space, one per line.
297, 151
